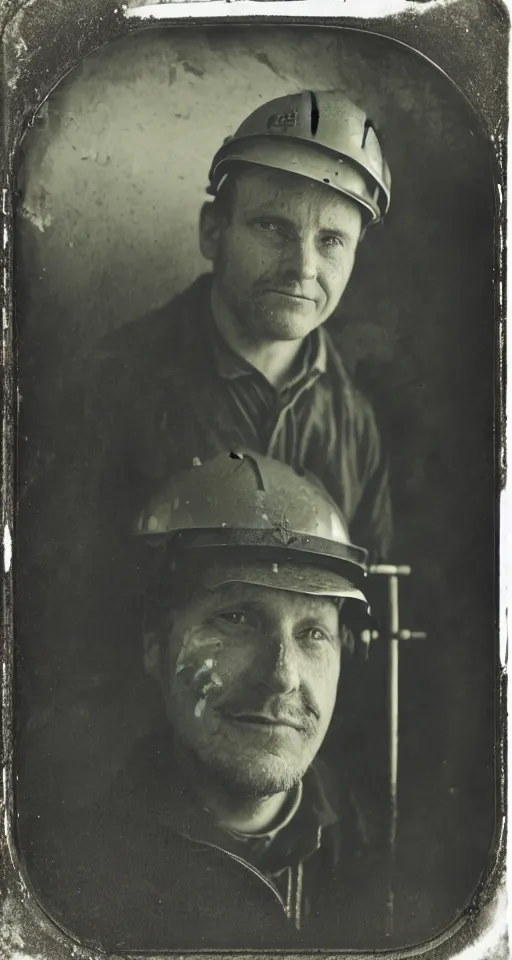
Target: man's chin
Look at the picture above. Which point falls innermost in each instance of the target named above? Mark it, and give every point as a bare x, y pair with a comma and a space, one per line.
260, 778
291, 324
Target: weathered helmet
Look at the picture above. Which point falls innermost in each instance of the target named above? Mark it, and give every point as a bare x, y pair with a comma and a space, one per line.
322, 136
253, 519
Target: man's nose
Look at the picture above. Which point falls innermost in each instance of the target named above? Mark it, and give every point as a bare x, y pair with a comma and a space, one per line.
303, 258
279, 670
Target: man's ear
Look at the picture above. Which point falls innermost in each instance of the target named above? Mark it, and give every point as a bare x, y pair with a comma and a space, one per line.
152, 655
209, 230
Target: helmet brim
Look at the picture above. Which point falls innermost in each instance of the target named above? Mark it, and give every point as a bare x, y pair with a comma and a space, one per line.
297, 157
309, 580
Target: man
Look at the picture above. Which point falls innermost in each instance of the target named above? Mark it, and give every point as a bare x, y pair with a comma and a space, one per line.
242, 356
224, 831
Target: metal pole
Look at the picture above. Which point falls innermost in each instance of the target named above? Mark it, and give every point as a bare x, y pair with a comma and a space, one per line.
394, 628
394, 635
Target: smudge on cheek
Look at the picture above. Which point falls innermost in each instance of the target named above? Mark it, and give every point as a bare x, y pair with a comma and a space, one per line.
205, 668
212, 683
199, 709
195, 644
197, 670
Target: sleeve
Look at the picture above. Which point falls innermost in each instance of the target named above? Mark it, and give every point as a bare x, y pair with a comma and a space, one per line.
372, 524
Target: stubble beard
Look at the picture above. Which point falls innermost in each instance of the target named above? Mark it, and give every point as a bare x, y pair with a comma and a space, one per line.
264, 776
261, 324
245, 782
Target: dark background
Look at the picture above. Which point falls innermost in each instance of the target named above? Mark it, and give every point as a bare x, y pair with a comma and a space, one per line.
111, 179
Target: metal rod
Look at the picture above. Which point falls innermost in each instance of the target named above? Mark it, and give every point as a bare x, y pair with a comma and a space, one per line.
401, 635
393, 741
390, 570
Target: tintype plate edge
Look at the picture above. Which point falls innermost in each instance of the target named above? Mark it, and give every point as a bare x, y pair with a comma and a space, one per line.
34, 59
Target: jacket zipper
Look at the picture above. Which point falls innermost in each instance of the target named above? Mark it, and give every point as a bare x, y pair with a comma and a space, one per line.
287, 907
248, 866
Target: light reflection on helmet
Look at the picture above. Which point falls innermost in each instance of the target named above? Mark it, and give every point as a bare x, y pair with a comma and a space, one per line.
322, 136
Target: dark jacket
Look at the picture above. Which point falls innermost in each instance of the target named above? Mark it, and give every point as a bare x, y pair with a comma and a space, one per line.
147, 869
165, 390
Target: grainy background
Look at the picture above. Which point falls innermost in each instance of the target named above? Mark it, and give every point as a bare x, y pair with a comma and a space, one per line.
112, 176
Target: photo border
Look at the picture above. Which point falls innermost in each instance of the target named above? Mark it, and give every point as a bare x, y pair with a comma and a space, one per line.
42, 41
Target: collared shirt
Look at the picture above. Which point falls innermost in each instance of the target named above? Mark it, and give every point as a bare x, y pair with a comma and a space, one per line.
260, 408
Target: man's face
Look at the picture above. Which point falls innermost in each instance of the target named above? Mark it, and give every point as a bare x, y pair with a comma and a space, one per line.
284, 254
250, 683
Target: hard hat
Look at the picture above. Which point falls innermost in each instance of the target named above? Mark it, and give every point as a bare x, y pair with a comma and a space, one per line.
249, 518
322, 136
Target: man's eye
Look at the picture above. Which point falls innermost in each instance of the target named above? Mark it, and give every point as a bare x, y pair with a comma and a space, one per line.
273, 229
316, 635
332, 241
268, 225
234, 617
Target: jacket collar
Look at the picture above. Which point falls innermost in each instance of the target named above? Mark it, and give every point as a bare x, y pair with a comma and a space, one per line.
158, 779
311, 363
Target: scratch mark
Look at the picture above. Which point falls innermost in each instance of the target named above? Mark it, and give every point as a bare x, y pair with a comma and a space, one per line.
189, 68
7, 549
262, 58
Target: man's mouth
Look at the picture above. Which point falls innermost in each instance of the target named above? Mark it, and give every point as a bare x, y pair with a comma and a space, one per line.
263, 720
298, 297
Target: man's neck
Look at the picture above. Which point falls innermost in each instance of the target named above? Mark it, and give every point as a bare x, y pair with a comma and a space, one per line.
273, 358
246, 816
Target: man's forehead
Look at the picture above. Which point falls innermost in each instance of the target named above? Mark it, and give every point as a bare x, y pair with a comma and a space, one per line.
278, 189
